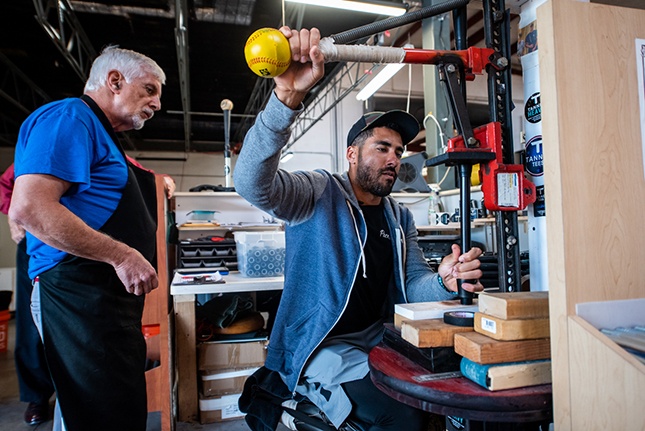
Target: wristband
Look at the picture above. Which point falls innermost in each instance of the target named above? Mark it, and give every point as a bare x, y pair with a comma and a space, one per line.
440, 280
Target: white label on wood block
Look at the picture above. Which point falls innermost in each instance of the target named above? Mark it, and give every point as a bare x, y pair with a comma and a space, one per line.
489, 325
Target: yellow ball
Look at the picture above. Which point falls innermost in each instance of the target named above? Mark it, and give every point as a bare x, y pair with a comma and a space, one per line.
267, 52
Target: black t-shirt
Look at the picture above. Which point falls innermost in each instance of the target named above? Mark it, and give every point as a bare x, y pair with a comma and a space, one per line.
367, 300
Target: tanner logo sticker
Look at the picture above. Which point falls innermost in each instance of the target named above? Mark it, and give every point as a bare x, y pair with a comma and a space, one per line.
534, 158
533, 109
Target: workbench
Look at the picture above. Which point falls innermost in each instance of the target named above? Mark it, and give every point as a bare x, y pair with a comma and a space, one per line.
186, 337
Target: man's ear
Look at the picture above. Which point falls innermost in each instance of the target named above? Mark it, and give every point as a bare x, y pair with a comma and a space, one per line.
114, 80
352, 154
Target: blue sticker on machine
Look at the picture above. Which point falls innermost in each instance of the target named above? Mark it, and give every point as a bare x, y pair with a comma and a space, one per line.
533, 109
533, 162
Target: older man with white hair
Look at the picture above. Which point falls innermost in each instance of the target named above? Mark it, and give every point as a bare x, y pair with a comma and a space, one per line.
90, 218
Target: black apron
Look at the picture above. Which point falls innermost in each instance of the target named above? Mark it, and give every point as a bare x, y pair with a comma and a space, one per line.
92, 327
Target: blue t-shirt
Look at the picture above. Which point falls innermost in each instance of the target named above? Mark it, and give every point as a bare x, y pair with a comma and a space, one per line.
65, 139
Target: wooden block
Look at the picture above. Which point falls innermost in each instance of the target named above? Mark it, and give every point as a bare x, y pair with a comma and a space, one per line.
434, 359
398, 321
496, 377
431, 310
431, 332
508, 330
515, 305
485, 350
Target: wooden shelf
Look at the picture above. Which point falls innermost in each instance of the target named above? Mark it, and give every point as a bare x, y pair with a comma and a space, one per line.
234, 214
478, 222
232, 228
233, 282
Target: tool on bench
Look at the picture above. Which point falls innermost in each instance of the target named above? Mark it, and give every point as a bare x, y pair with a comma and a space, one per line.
437, 376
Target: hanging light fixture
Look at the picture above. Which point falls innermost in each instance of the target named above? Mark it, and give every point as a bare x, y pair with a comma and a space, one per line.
379, 80
375, 7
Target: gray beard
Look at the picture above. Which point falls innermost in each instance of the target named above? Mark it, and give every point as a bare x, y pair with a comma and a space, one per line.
137, 122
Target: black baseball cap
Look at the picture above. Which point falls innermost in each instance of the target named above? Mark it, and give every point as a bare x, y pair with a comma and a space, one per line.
408, 126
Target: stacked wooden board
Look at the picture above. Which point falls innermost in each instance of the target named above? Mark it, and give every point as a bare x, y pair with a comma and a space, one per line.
426, 339
510, 347
428, 310
436, 357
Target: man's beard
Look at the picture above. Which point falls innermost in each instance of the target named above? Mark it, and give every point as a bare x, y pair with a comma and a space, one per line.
368, 180
137, 122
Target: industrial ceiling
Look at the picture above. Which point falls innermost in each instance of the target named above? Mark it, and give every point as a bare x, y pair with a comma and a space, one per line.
47, 46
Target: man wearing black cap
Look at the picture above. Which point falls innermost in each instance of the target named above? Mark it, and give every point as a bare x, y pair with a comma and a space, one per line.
352, 253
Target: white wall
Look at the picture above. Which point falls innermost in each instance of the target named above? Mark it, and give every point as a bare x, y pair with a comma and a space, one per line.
187, 169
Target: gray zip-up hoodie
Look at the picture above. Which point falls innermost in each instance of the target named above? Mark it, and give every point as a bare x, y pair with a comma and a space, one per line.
325, 235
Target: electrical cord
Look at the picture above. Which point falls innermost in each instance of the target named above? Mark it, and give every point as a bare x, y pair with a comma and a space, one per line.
443, 142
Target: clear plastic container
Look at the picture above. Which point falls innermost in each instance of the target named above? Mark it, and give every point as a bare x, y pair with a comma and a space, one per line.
201, 215
260, 254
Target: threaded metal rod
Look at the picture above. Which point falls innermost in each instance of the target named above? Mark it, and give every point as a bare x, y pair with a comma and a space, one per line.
348, 36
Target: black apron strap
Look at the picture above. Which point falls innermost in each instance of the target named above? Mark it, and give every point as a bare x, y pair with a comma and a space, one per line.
134, 221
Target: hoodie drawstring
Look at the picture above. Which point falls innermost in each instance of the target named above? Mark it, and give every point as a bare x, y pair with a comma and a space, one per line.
358, 235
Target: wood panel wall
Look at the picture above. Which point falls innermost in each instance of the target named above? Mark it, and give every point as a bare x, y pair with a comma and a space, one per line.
594, 183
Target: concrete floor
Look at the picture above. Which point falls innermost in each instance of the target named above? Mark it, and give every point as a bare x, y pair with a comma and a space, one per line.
12, 410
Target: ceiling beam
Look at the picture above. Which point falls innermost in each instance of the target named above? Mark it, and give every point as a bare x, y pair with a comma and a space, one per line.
181, 41
18, 89
69, 37
124, 11
58, 20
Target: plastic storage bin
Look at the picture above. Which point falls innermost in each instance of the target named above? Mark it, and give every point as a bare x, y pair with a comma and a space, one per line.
207, 253
260, 254
201, 215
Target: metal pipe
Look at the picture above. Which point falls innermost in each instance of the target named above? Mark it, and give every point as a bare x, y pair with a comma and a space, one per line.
227, 106
390, 23
465, 170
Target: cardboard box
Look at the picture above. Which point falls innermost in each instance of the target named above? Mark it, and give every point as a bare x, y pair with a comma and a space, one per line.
219, 356
217, 383
219, 409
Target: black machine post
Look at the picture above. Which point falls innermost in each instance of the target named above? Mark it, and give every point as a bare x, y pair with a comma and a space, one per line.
447, 74
497, 34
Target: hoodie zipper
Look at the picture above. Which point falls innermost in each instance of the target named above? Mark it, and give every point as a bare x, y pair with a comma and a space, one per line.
349, 205
401, 248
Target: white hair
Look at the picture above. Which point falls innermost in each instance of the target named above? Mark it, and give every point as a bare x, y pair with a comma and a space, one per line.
131, 64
